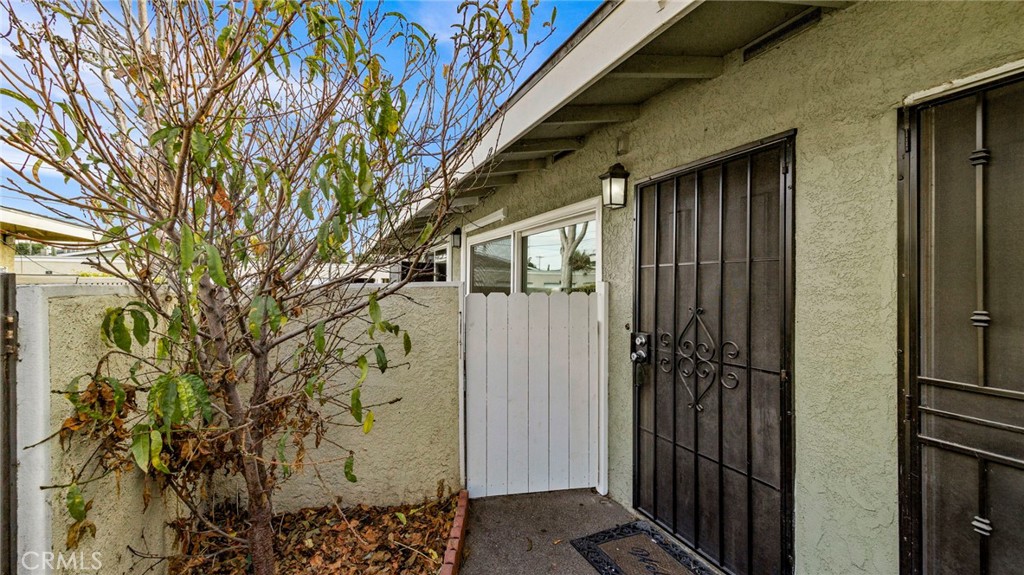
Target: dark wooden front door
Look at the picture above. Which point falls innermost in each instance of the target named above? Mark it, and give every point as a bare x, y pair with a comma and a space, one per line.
712, 454
962, 489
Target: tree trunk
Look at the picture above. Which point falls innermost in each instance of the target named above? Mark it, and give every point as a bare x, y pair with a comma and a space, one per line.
566, 275
257, 483
261, 531
257, 479
570, 240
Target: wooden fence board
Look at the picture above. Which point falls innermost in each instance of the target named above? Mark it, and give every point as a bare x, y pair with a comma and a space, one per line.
532, 392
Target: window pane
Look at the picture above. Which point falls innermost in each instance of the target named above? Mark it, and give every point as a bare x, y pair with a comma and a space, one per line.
1004, 212
423, 271
948, 275
491, 266
563, 259
440, 265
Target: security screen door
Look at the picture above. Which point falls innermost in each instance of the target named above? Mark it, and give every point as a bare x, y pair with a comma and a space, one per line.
712, 457
963, 311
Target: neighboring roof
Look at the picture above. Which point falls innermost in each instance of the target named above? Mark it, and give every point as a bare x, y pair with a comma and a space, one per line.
624, 54
31, 226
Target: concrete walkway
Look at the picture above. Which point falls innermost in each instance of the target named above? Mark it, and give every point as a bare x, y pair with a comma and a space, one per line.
530, 534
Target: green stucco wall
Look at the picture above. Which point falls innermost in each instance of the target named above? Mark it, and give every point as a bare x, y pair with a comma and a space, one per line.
840, 84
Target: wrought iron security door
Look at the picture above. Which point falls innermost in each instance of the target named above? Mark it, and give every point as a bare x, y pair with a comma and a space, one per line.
712, 453
962, 486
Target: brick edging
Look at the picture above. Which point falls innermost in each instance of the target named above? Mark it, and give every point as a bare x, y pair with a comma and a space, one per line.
453, 552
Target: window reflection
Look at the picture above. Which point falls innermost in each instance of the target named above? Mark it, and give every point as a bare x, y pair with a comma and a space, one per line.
561, 260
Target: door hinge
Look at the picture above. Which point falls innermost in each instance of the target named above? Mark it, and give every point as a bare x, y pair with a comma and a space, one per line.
10, 337
906, 137
784, 376
908, 406
982, 526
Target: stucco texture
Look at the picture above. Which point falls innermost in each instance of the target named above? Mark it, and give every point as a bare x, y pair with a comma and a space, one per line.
118, 510
840, 84
413, 446
414, 443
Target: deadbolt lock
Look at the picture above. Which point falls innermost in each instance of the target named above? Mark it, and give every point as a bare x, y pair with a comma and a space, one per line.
641, 351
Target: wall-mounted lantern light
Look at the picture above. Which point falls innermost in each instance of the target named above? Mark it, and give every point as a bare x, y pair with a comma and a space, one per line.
457, 238
613, 187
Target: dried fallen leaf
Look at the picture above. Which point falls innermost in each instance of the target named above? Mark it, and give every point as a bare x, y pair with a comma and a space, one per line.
362, 541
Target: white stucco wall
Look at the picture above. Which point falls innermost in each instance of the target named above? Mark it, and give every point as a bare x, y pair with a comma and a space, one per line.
59, 340
414, 443
840, 84
413, 446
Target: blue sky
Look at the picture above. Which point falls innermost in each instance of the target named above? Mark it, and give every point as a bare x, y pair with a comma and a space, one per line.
434, 15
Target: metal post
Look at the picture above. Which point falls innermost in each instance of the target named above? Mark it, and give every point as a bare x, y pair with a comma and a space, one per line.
8, 422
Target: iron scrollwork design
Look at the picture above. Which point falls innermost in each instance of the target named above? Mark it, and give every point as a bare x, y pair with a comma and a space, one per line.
697, 358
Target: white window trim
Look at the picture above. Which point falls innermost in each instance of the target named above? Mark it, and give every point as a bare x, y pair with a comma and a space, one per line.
445, 246
485, 221
965, 83
574, 213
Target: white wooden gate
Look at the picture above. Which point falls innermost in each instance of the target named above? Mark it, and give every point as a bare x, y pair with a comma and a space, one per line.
532, 392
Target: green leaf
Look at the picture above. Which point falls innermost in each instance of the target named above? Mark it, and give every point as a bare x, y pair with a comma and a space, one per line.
187, 401
319, 338
108, 317
169, 405
174, 328
187, 248
225, 38
71, 392
119, 393
401, 517
76, 503
374, 308
140, 326
140, 446
216, 266
356, 406
201, 394
199, 210
382, 358
368, 422
306, 203
349, 465
345, 194
200, 147
163, 134
257, 313
24, 100
282, 442
277, 319
406, 343
156, 445
63, 145
428, 230
314, 385
26, 131
122, 338
364, 368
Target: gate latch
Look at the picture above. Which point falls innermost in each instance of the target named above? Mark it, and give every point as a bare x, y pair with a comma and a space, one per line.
641, 348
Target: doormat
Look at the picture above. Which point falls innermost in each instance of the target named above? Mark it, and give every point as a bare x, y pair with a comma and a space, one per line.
637, 549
